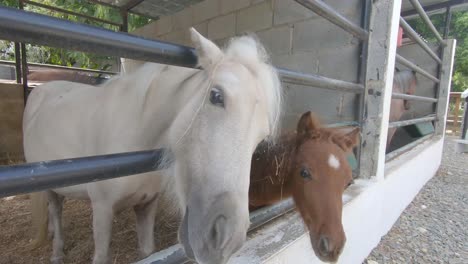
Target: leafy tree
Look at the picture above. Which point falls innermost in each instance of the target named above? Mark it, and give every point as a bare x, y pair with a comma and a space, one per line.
459, 31
64, 57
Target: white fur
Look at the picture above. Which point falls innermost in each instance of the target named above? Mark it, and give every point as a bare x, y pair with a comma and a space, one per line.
148, 108
333, 162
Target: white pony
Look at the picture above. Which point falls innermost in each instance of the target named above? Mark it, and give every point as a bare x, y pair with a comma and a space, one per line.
211, 120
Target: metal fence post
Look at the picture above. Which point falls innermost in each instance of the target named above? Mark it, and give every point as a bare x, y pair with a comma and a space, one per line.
383, 32
444, 86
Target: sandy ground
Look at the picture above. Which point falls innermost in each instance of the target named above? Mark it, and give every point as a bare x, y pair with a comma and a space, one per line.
15, 233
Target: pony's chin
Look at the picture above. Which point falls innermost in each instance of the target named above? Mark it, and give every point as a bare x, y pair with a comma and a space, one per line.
184, 237
327, 259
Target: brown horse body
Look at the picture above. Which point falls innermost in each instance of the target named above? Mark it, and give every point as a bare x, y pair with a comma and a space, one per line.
311, 166
403, 82
62, 75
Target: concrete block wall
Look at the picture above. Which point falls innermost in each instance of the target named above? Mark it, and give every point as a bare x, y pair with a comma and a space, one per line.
295, 37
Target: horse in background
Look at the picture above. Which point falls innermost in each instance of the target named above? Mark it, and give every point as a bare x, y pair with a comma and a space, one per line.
201, 116
63, 75
311, 166
403, 82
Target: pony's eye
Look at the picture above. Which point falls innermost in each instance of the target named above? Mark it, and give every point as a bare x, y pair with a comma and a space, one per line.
305, 174
217, 97
349, 183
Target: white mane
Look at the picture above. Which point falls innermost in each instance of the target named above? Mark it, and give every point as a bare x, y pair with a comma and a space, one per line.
248, 51
403, 80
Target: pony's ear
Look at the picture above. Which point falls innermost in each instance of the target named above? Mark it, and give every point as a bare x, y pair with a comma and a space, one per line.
350, 139
308, 123
208, 53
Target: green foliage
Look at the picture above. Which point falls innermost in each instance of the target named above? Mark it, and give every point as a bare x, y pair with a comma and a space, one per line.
66, 57
459, 31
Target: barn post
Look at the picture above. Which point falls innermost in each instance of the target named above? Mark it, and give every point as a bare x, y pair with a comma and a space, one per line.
444, 86
380, 64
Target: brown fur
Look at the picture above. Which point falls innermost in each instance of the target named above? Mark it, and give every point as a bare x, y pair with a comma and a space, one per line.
277, 173
63, 75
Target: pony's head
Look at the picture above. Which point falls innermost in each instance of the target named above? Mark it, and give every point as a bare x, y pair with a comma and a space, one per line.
321, 173
235, 106
406, 82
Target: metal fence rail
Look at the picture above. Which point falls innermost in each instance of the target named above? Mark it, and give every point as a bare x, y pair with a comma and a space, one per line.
416, 68
327, 12
314, 80
412, 121
407, 147
413, 97
417, 6
45, 175
26, 27
414, 36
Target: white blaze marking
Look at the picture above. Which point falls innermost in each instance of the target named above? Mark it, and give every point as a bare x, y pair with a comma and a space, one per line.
333, 162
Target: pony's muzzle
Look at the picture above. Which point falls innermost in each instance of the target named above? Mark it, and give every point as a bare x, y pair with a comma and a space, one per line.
329, 250
213, 235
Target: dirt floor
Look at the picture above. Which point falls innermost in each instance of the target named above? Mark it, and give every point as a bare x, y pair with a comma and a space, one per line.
16, 233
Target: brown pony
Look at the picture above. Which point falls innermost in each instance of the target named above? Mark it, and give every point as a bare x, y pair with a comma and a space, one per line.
64, 75
311, 166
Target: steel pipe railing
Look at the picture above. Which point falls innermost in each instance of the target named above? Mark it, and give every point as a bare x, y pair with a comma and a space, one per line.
414, 36
45, 175
327, 12
27, 27
416, 68
306, 79
412, 121
417, 6
413, 97
407, 147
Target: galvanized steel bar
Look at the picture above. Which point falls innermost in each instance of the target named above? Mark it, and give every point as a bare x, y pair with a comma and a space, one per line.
448, 20
416, 68
24, 71
411, 121
324, 10
414, 36
427, 21
407, 147
306, 79
17, 62
68, 12
413, 97
39, 176
38, 29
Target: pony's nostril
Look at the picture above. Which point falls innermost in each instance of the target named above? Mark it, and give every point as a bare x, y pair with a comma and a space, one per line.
324, 246
218, 234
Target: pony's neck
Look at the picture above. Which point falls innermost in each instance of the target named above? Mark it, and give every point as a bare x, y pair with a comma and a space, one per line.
271, 178
172, 92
